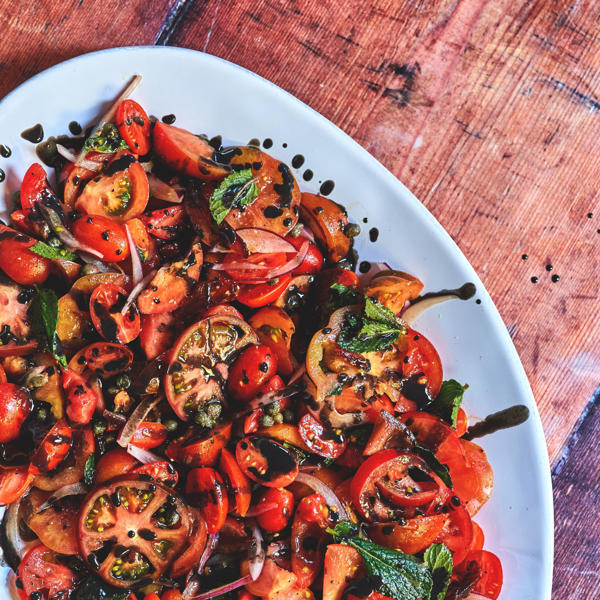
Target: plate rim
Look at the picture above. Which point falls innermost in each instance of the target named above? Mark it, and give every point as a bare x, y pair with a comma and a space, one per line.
539, 441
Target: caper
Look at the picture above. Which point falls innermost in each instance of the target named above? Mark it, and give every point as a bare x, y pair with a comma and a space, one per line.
54, 242
278, 418
89, 269
293, 302
123, 381
288, 415
36, 380
171, 425
213, 410
201, 418
352, 230
267, 421
42, 414
273, 408
110, 438
99, 427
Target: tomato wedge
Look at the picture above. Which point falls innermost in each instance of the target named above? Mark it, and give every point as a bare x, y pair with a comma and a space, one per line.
157, 334
329, 443
134, 126
18, 262
82, 399
14, 482
200, 447
266, 461
53, 449
15, 406
422, 363
237, 484
149, 435
42, 573
165, 223
207, 490
414, 536
162, 471
106, 358
106, 303
457, 534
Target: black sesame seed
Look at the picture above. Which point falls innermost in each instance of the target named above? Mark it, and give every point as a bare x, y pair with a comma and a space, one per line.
555, 278
549, 267
534, 280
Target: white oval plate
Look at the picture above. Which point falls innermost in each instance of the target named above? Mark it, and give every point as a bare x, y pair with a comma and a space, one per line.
216, 97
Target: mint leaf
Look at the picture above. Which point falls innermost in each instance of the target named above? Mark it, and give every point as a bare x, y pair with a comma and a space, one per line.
439, 560
399, 575
106, 140
340, 296
141, 254
434, 464
93, 588
237, 190
46, 251
448, 401
44, 314
89, 470
377, 312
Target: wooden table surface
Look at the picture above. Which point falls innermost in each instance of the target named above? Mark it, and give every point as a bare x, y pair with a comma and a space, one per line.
488, 110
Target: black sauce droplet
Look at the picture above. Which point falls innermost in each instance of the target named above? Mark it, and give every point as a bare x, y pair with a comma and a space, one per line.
549, 267
268, 143
297, 161
534, 280
75, 128
364, 266
365, 220
5, 151
555, 278
169, 119
524, 256
373, 234
2, 175
307, 175
590, 215
284, 145
34, 134
327, 187
478, 301
509, 417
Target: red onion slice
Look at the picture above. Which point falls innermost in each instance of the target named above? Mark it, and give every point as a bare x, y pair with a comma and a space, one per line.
137, 416
144, 456
137, 272
163, 191
211, 544
328, 494
297, 374
73, 489
11, 524
263, 241
257, 552
307, 233
137, 290
261, 508
114, 418
72, 157
224, 589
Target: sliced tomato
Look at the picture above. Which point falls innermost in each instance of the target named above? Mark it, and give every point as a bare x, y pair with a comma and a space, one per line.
245, 269
162, 471
106, 303
53, 449
422, 363
222, 310
42, 573
274, 507
255, 365
237, 484
74, 179
14, 482
157, 334
190, 557
276, 576
149, 435
205, 487
262, 294
114, 463
173, 283
35, 190
106, 358
489, 567
82, 399
186, 153
457, 534
145, 244
165, 223
134, 126
329, 443
462, 423
18, 262
393, 289
15, 406
120, 193
313, 261
412, 537
102, 234
478, 537
266, 461
200, 447
342, 564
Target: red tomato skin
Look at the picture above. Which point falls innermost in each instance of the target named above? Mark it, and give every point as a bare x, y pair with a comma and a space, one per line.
313, 261
33, 184
157, 333
461, 423
111, 325
237, 482
53, 448
37, 574
81, 398
18, 262
490, 582
15, 406
262, 294
165, 223
207, 489
114, 463
277, 518
102, 234
457, 534
149, 435
251, 370
136, 134
422, 357
14, 482
222, 309
312, 432
163, 471
144, 243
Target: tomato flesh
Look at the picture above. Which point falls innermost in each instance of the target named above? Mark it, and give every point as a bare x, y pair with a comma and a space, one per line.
207, 490
266, 461
40, 570
14, 482
104, 235
15, 406
251, 370
236, 482
329, 443
53, 449
276, 518
149, 435
165, 223
134, 126
106, 358
106, 303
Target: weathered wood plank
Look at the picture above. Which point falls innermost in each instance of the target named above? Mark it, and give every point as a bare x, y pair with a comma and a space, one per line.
488, 111
40, 33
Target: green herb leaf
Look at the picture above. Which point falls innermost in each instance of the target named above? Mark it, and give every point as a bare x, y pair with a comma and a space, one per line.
448, 401
399, 575
340, 296
44, 313
141, 254
376, 311
439, 560
436, 466
237, 190
89, 470
46, 251
106, 140
93, 588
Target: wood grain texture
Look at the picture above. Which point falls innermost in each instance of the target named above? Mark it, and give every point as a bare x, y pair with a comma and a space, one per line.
488, 110
40, 33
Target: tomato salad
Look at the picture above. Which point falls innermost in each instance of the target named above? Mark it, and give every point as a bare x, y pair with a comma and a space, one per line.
199, 397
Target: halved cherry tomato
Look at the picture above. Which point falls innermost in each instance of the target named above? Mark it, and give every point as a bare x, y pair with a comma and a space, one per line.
145, 244
307, 548
262, 294
106, 358
120, 193
392, 478
114, 463
313, 261
329, 443
462, 423
162, 471
81, 398
199, 447
53, 449
106, 303
134, 126
414, 536
422, 363
276, 518
173, 283
244, 269
393, 289
18, 262
165, 223
143, 519
42, 573
206, 489
157, 333
189, 558
14, 482
478, 537
104, 235
266, 461
15, 406
186, 153
35, 188
237, 484
457, 534
251, 370
149, 435
489, 582
74, 179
